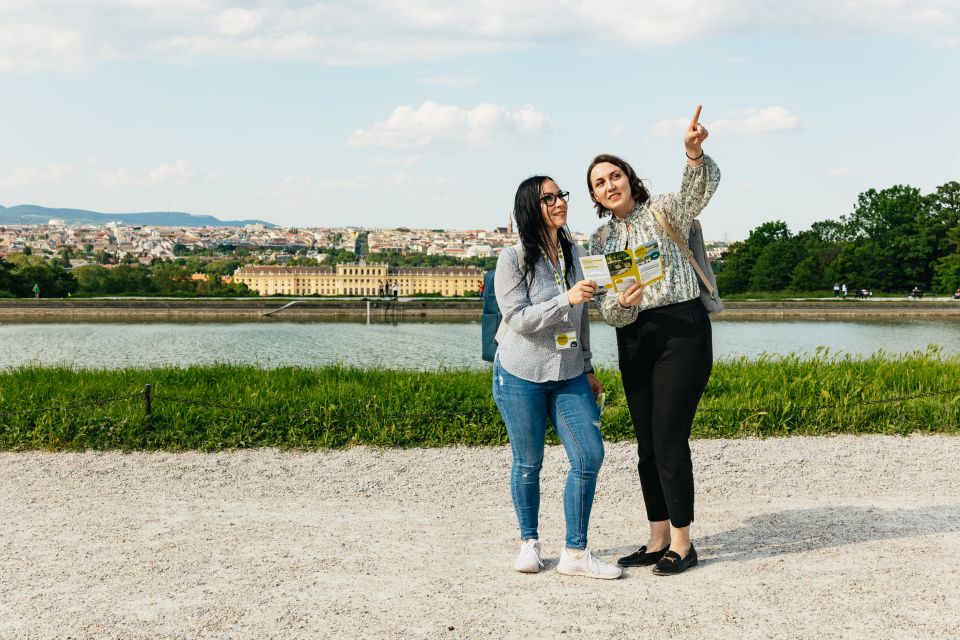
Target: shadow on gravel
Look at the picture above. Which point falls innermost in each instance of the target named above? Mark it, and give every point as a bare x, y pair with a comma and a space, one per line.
800, 530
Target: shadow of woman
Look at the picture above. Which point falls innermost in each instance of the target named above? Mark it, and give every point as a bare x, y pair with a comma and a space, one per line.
799, 530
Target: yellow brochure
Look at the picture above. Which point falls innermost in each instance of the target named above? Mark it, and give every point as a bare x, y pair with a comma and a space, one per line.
623, 270
620, 269
649, 262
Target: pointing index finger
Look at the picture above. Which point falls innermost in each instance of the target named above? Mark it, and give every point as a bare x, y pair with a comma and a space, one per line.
696, 117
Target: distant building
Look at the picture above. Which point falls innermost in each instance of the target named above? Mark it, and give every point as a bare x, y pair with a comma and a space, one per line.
479, 251
358, 279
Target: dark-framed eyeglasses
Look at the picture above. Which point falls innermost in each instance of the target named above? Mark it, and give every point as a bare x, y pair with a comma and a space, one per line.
550, 199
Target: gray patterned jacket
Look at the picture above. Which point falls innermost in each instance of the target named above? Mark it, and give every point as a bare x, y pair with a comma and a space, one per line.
679, 283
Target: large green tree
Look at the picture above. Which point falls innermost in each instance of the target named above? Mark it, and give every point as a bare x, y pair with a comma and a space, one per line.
92, 278
28, 270
820, 250
168, 278
739, 260
945, 229
893, 240
946, 277
125, 278
776, 264
894, 237
6, 279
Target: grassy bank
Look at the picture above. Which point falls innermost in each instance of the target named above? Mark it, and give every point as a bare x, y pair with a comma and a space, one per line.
210, 408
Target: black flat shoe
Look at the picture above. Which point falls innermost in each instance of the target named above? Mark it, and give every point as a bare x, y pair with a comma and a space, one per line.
672, 564
640, 557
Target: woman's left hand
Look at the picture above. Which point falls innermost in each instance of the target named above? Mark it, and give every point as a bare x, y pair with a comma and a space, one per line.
595, 384
694, 136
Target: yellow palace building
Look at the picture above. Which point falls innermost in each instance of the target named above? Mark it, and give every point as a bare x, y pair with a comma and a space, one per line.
359, 279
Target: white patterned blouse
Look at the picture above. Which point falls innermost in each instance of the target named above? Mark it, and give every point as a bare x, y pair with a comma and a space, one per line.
679, 283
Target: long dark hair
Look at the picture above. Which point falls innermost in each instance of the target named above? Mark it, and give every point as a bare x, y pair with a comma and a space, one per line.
638, 192
533, 230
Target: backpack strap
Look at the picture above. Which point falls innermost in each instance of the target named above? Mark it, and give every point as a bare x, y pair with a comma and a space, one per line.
501, 325
684, 249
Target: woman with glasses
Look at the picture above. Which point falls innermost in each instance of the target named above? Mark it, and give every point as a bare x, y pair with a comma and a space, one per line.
542, 370
664, 340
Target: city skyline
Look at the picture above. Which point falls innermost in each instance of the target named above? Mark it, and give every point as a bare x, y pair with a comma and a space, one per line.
428, 115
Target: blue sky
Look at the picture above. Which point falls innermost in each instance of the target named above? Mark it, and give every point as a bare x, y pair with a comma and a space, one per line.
429, 114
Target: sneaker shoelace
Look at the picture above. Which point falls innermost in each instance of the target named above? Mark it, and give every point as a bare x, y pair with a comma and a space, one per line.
532, 545
593, 562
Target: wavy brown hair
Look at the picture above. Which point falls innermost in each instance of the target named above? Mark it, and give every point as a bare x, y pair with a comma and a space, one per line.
638, 192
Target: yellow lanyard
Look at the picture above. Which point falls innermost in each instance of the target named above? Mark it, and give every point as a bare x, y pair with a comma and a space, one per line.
561, 277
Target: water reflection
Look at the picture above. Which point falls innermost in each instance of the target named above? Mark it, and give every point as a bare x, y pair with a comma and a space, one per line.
421, 343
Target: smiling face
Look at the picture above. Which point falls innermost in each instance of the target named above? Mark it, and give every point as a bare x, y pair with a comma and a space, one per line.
554, 216
610, 187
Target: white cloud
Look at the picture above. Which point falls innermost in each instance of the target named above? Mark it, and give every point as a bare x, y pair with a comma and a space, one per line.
931, 16
484, 126
448, 81
618, 131
27, 46
404, 162
116, 178
667, 128
177, 174
839, 172
66, 34
290, 45
294, 185
34, 176
340, 183
752, 121
298, 186
237, 22
747, 121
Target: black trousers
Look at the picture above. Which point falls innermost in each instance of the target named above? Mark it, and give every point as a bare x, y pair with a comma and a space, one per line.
665, 360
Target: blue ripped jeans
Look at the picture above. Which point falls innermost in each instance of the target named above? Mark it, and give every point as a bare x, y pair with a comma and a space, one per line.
572, 408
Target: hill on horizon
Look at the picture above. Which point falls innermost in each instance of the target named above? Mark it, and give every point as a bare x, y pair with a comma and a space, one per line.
34, 214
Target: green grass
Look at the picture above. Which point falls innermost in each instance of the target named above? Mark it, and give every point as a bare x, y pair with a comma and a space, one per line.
340, 406
801, 295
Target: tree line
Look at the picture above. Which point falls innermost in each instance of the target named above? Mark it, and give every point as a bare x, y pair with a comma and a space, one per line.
21, 272
893, 240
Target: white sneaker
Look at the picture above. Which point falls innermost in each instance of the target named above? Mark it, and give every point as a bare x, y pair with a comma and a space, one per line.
587, 565
528, 560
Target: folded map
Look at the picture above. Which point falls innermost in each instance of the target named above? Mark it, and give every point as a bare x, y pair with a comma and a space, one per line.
621, 269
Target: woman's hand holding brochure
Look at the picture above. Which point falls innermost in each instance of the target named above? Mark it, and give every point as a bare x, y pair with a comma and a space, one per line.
632, 297
581, 292
621, 269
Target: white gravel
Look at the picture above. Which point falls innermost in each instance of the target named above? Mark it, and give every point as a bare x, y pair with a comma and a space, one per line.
852, 537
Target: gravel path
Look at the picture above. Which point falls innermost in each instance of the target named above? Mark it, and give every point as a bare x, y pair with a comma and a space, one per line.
853, 537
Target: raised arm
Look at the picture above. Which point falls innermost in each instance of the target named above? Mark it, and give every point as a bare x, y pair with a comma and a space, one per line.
701, 176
